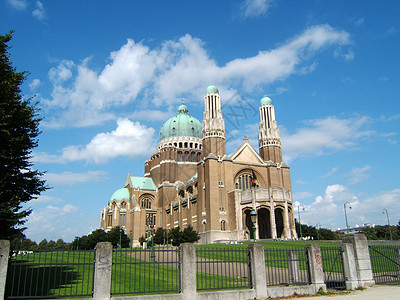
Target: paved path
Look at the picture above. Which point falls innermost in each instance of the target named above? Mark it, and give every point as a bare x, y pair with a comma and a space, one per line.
377, 292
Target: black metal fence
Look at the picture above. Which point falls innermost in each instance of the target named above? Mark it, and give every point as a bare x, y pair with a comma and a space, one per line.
332, 262
286, 267
385, 262
145, 271
50, 274
219, 269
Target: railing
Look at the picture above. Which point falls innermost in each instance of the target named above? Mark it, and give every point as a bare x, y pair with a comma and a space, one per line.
286, 267
50, 274
145, 271
332, 262
219, 269
385, 263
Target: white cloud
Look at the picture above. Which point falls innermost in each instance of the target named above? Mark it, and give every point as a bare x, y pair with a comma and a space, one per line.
18, 4
130, 139
323, 136
334, 170
301, 195
254, 8
358, 175
69, 178
82, 96
35, 84
39, 12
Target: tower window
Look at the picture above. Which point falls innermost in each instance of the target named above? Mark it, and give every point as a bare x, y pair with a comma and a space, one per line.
146, 203
179, 155
186, 155
192, 156
122, 219
223, 223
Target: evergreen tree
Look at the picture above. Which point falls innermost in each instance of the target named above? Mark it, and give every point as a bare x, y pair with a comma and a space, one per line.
19, 129
160, 236
116, 234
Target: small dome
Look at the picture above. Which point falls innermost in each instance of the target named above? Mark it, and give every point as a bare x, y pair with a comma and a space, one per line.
265, 101
212, 89
182, 124
120, 195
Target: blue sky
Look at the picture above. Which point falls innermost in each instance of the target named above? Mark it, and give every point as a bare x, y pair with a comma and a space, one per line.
109, 73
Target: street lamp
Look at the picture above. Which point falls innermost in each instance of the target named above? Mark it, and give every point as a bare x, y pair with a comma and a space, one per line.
253, 218
298, 211
390, 229
345, 215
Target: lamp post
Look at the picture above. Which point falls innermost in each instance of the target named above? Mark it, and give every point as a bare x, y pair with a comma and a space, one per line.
318, 228
345, 215
390, 229
253, 218
298, 211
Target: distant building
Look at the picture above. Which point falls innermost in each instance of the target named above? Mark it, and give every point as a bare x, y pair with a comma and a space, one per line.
191, 180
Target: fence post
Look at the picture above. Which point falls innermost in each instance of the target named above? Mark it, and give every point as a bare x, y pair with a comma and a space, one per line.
363, 260
293, 265
188, 271
315, 267
349, 266
4, 253
257, 270
102, 271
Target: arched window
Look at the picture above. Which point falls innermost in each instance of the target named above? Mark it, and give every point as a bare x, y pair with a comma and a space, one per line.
243, 182
123, 205
122, 219
179, 155
146, 203
198, 156
192, 156
223, 223
186, 155
109, 220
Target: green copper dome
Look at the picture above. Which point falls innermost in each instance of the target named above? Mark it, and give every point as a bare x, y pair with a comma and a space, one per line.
212, 89
182, 124
265, 101
120, 194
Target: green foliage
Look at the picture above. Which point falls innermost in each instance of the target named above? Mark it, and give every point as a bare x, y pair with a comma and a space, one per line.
379, 232
316, 234
160, 236
19, 129
142, 239
188, 235
117, 235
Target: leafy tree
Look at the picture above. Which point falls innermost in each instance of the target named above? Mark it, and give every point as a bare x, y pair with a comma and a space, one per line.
312, 231
114, 237
160, 236
19, 129
42, 245
188, 235
51, 245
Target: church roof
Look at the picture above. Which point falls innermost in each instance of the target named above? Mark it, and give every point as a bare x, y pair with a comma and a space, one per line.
182, 124
143, 183
120, 195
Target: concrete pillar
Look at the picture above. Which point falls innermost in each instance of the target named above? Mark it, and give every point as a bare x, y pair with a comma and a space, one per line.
293, 266
286, 226
188, 271
363, 260
4, 254
272, 220
349, 266
257, 269
316, 268
102, 271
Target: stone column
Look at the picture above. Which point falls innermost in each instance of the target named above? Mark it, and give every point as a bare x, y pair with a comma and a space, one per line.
257, 269
102, 271
315, 265
286, 226
188, 271
363, 261
349, 266
272, 220
4, 254
293, 266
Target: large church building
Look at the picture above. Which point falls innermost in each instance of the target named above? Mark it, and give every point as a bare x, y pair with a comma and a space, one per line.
191, 180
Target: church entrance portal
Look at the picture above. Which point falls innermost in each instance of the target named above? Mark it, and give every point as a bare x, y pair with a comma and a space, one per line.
264, 225
249, 224
279, 222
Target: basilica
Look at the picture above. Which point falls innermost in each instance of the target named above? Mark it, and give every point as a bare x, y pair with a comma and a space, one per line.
191, 180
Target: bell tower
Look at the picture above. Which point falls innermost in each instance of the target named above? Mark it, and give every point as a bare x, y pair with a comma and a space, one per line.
213, 124
268, 134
